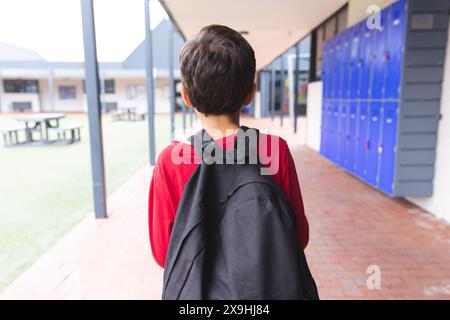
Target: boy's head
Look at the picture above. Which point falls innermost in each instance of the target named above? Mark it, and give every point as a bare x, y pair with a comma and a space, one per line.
218, 70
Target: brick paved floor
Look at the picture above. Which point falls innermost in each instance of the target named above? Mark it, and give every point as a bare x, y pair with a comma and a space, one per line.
352, 227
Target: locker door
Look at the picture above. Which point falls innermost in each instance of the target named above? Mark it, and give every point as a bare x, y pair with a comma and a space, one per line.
361, 140
329, 120
374, 137
379, 62
330, 129
325, 76
331, 67
335, 133
387, 147
337, 81
345, 64
355, 65
342, 133
395, 42
323, 137
365, 62
351, 137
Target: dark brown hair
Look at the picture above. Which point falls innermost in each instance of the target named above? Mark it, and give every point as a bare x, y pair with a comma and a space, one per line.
218, 70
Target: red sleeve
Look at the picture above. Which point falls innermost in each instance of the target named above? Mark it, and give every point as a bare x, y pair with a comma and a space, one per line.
161, 214
291, 188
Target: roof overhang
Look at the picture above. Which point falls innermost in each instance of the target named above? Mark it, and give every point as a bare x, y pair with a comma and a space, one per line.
273, 25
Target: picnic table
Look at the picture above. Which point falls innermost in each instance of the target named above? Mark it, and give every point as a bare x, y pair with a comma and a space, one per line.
40, 122
128, 112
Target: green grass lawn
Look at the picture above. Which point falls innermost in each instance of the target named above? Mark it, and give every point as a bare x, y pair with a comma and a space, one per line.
47, 190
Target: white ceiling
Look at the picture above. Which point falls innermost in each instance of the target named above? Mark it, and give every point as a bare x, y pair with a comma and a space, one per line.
274, 25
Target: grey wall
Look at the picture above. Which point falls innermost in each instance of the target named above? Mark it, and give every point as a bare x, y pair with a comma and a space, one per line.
425, 47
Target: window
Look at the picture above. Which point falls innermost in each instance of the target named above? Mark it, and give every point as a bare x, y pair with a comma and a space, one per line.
134, 92
320, 35
328, 29
20, 86
303, 75
67, 92
110, 86
342, 20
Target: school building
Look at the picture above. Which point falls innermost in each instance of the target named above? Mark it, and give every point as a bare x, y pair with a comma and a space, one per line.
30, 83
360, 91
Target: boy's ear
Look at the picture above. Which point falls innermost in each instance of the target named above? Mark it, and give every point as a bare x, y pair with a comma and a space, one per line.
185, 96
250, 96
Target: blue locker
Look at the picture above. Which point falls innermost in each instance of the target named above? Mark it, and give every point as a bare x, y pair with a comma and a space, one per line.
361, 140
355, 60
337, 60
362, 82
331, 67
342, 132
324, 129
350, 149
345, 63
373, 142
367, 42
334, 134
327, 138
329, 133
325, 70
379, 59
387, 147
394, 40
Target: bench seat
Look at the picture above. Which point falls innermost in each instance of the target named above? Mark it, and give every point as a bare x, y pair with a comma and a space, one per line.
11, 135
74, 131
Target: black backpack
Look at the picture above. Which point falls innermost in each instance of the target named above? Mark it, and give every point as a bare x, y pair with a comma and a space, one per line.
234, 235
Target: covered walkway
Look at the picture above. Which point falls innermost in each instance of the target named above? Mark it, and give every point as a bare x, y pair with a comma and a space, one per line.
352, 227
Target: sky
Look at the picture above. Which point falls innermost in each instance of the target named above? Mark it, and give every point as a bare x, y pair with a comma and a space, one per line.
53, 29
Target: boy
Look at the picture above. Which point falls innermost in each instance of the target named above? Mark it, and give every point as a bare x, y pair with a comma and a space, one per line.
218, 72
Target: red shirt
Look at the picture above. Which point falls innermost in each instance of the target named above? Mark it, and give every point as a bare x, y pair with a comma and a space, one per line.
170, 177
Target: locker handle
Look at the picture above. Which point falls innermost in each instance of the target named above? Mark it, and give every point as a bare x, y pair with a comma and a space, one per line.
386, 56
367, 145
380, 149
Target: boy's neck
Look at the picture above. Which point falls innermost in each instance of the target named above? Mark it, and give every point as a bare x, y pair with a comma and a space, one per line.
219, 126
